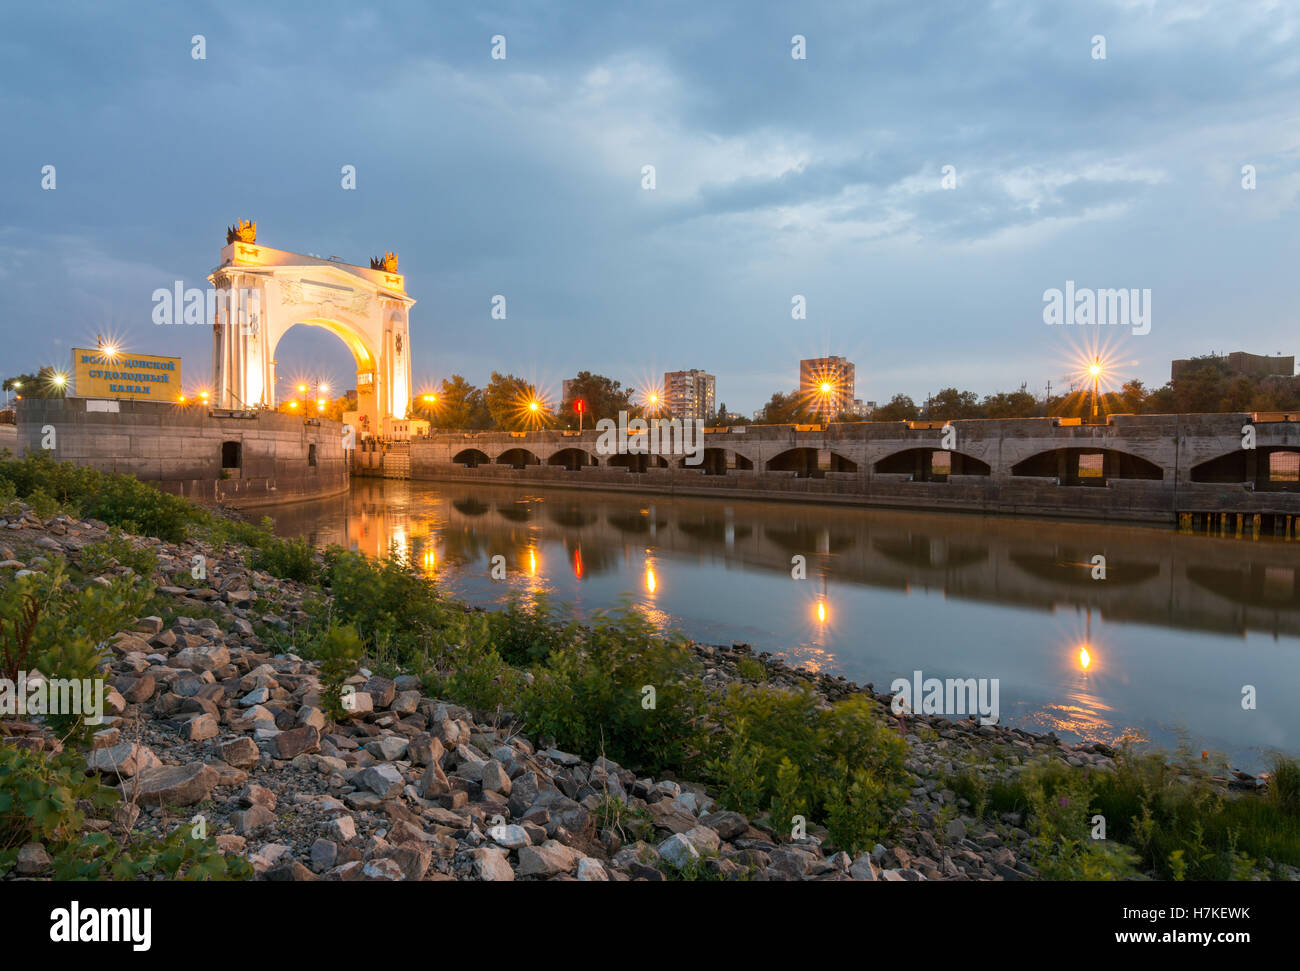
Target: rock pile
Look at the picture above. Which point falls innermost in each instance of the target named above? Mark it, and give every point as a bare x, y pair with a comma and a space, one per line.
206, 724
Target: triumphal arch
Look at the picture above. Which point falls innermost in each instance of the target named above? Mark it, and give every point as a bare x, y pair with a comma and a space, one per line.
262, 292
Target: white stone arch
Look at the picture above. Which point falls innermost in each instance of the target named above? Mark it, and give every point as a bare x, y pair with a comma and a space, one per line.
262, 293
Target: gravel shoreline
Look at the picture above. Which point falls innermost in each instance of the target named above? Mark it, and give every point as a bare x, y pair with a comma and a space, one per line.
207, 720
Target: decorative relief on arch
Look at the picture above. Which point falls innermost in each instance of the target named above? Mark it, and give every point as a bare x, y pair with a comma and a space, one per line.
343, 299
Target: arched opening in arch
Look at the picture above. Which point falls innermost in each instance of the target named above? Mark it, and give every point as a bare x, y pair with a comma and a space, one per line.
1269, 468
931, 464
573, 459
518, 458
1087, 466
636, 462
801, 461
471, 458
305, 369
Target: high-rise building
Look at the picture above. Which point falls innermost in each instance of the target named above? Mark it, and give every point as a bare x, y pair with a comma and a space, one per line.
689, 394
826, 384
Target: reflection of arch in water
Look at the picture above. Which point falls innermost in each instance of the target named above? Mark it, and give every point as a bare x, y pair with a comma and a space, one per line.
712, 530
636, 523
471, 458
1256, 585
806, 538
592, 559
930, 552
1074, 568
516, 512
570, 516
469, 507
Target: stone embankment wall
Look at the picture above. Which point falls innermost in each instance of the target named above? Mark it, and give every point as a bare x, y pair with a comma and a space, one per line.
240, 459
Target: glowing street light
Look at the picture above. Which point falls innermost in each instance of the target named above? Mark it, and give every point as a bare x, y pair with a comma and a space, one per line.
534, 406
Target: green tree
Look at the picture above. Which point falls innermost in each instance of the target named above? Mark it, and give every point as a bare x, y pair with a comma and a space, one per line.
43, 384
898, 408
508, 399
603, 397
950, 404
459, 405
786, 409
1014, 404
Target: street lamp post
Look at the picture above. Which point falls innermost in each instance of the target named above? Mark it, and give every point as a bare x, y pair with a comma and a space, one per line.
1095, 370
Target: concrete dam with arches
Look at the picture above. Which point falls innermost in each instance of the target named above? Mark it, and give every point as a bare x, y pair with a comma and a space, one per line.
1225, 473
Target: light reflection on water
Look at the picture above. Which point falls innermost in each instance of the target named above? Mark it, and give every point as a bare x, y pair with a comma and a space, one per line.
1171, 635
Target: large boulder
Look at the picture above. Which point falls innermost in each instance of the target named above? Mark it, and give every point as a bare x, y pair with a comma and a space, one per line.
125, 759
179, 785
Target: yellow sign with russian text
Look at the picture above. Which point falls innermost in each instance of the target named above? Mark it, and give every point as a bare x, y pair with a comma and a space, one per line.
98, 373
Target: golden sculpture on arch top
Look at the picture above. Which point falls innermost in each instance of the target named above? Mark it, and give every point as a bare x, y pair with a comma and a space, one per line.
388, 264
243, 230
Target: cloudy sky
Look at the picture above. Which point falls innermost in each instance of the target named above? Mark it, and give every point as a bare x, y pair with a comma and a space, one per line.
775, 176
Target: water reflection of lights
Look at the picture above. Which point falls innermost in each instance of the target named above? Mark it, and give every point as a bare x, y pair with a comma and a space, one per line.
532, 563
821, 611
651, 582
1085, 658
577, 564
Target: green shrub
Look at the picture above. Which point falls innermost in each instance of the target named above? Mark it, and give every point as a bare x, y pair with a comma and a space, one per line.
784, 752
751, 669
46, 799
117, 550
49, 624
339, 654
117, 499
1162, 816
385, 600
529, 631
462, 662
592, 696
288, 559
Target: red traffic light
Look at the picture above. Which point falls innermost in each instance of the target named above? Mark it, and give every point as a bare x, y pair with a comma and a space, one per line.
580, 406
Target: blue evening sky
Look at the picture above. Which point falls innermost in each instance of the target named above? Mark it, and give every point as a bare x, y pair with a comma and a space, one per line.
775, 177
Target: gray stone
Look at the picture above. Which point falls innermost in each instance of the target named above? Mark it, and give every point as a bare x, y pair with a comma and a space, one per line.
252, 819
511, 837
181, 785
678, 850
494, 777
297, 741
125, 759
242, 753
547, 860
490, 864
383, 780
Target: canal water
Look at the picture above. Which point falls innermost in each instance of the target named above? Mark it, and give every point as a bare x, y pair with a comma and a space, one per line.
1166, 645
